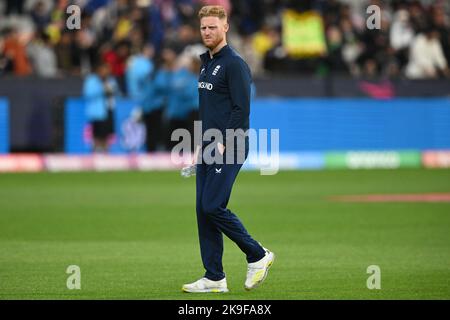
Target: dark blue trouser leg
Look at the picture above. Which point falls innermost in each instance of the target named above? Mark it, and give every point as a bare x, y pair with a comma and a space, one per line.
214, 185
210, 236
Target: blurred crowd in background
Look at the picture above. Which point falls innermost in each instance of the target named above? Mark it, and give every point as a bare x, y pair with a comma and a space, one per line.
413, 42
148, 50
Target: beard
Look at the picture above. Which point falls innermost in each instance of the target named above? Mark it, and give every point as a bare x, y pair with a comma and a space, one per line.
214, 43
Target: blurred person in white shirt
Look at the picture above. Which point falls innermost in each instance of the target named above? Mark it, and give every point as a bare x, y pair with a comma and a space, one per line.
427, 60
401, 36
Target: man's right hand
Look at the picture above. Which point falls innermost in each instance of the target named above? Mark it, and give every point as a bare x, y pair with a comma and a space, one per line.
189, 171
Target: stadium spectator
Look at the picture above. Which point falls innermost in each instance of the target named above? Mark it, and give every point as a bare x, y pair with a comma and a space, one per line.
85, 46
441, 23
401, 36
100, 91
117, 57
427, 59
186, 36
139, 69
335, 42
139, 76
418, 16
376, 51
265, 39
351, 47
64, 51
156, 99
162, 89
182, 106
40, 15
15, 51
42, 56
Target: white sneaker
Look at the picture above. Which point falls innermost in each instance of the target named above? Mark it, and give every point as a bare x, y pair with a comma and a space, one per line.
257, 271
205, 285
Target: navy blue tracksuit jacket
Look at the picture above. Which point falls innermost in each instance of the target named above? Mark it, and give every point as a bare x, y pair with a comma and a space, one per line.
224, 95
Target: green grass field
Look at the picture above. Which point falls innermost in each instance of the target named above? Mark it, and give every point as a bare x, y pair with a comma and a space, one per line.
134, 235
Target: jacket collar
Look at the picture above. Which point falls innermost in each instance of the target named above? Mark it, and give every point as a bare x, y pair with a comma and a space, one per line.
206, 57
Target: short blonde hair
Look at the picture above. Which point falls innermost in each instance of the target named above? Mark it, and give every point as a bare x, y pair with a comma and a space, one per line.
212, 11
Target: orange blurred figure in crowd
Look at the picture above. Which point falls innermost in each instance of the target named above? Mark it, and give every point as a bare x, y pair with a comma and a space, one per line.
15, 51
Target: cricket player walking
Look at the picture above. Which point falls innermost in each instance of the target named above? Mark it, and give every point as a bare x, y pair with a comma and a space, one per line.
224, 93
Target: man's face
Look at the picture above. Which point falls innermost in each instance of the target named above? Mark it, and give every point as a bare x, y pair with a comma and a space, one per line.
213, 30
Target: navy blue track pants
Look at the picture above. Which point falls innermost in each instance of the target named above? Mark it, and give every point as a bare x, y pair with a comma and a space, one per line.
214, 185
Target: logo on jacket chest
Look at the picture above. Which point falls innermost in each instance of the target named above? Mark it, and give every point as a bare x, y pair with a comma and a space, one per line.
216, 69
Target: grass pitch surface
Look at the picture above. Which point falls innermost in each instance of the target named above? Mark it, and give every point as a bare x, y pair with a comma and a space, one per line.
134, 235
